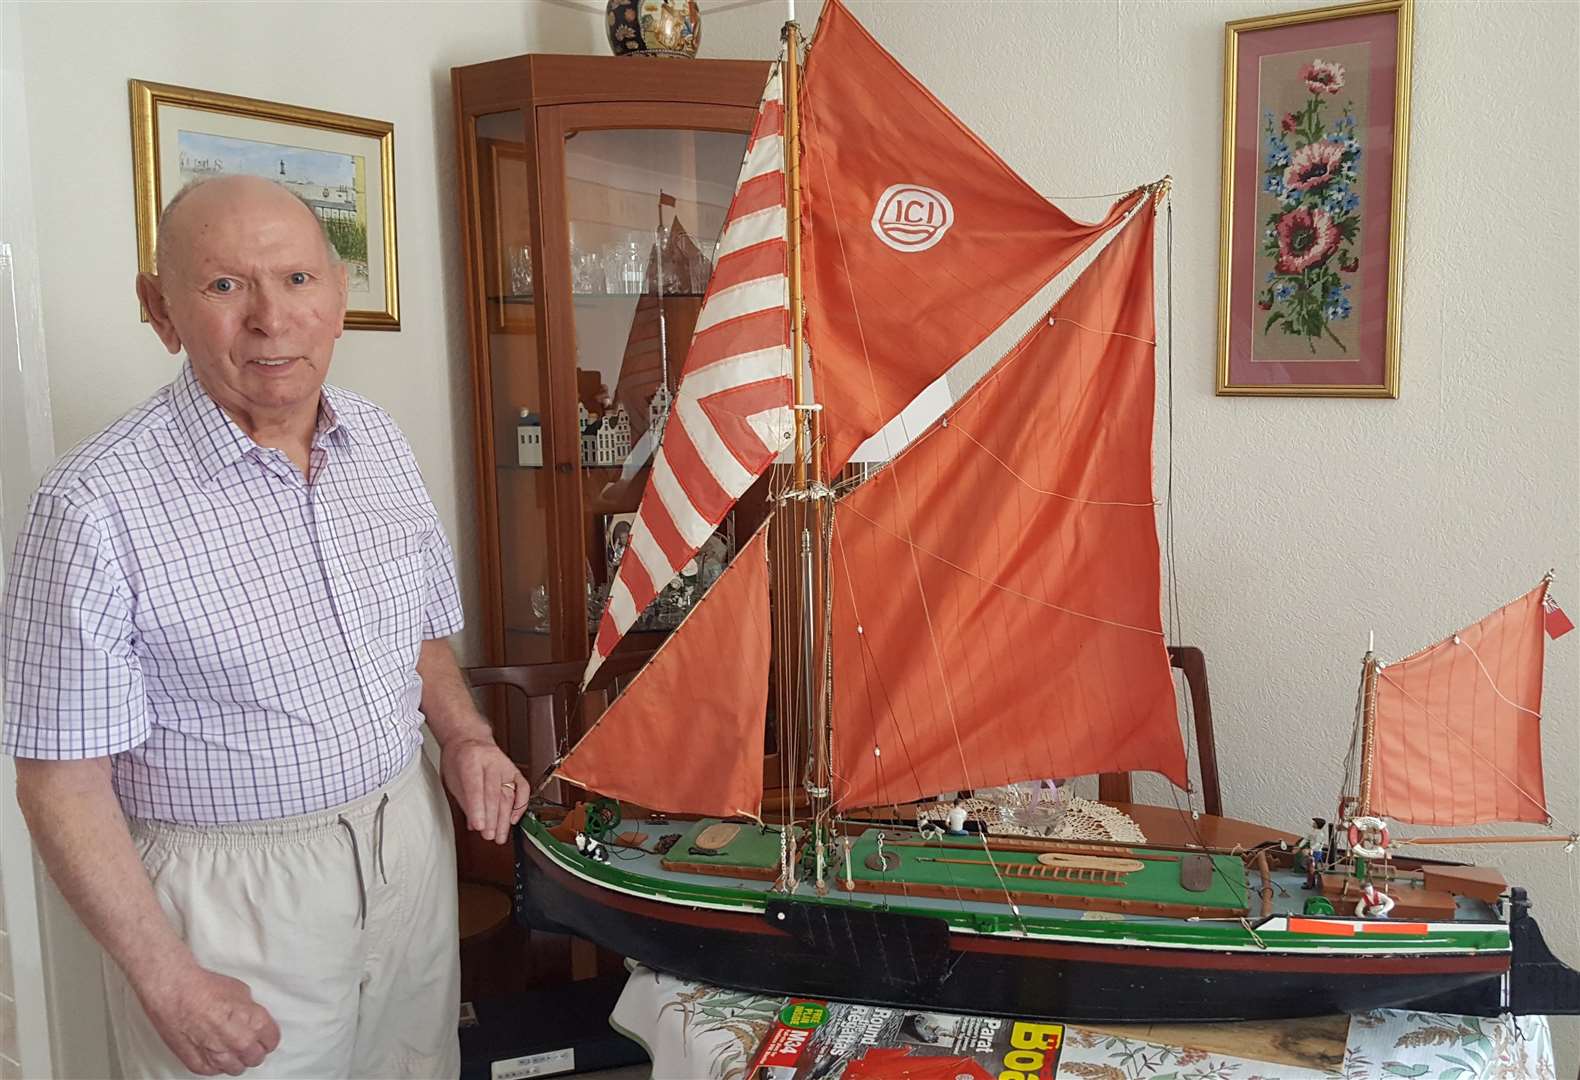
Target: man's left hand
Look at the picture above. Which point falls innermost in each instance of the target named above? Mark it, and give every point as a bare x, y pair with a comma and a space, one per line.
491, 790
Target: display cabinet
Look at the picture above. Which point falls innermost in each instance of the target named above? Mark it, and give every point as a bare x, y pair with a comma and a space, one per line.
592, 190
591, 193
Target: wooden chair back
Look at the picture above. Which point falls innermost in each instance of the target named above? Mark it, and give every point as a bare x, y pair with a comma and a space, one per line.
570, 712
1115, 787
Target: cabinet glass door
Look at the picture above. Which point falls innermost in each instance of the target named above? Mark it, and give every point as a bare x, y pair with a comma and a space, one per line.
521, 481
644, 209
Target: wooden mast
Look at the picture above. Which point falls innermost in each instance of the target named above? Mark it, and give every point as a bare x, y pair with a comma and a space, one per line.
808, 474
1368, 731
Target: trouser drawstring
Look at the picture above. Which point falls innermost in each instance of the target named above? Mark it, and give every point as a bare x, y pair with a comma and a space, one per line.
356, 857
356, 862
378, 837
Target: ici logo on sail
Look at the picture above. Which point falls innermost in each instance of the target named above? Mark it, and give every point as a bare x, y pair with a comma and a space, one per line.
910, 217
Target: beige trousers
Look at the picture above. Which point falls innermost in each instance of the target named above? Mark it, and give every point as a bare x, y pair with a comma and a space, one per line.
342, 923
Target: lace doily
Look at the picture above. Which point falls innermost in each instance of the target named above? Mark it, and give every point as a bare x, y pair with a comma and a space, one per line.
1082, 819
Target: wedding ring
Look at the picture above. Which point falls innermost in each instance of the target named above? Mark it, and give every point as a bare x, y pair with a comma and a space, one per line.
510, 785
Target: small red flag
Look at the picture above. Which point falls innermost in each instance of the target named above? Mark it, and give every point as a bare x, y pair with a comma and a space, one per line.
1558, 624
665, 198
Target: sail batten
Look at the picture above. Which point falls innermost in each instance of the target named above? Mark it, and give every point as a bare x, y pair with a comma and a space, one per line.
996, 586
1457, 726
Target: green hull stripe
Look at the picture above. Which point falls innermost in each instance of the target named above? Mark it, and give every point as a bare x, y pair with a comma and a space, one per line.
1184, 934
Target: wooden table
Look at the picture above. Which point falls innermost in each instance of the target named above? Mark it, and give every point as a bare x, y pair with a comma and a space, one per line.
1315, 1042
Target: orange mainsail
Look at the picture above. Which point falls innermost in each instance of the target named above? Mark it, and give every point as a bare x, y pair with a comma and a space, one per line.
681, 737
919, 240
996, 587
1457, 726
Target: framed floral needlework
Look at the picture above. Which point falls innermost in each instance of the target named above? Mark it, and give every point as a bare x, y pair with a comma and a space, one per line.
1315, 131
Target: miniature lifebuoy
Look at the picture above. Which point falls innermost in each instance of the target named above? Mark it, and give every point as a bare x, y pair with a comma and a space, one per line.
1358, 842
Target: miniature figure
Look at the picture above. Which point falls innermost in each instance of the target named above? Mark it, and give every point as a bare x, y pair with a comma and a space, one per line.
1315, 846
955, 823
1373, 904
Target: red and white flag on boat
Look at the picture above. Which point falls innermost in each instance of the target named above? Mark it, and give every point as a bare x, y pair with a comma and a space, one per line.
732, 412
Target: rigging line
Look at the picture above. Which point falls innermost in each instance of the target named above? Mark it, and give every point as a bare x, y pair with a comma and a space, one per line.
1172, 569
1014, 352
839, 235
872, 666
1009, 899
1050, 195
915, 547
1062, 319
1490, 681
932, 633
1551, 819
1044, 491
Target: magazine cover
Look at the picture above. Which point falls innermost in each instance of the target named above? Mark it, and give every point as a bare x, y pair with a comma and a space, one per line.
816, 1040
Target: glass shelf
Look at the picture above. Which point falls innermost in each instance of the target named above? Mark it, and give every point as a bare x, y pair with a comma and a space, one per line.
528, 298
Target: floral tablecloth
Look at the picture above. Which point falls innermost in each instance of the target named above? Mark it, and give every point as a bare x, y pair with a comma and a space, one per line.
1390, 1044
698, 1032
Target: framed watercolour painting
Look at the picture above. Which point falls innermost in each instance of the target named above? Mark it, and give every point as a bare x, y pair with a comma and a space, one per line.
1315, 131
343, 167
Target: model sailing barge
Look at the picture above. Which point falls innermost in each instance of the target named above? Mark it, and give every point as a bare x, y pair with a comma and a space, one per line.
983, 610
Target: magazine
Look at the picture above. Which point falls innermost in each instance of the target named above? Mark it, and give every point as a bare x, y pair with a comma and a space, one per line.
818, 1040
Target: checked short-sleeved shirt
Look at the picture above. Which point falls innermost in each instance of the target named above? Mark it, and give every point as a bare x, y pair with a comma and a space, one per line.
240, 641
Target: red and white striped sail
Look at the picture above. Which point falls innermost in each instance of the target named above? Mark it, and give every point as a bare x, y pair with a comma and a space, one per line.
732, 412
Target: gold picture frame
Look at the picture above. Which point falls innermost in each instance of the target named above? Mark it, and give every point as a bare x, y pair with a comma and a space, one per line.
343, 165
1316, 132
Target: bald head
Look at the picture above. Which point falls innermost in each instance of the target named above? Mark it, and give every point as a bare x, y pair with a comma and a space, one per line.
188, 216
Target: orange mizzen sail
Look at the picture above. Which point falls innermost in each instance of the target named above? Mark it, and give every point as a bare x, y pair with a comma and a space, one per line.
1457, 726
996, 587
919, 240
679, 738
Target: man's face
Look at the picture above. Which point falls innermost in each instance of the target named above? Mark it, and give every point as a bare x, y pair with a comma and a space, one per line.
249, 291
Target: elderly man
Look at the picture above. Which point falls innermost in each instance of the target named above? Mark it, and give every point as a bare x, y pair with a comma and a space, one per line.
224, 627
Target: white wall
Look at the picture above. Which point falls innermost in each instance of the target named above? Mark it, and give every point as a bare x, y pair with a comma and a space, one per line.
1300, 524
27, 447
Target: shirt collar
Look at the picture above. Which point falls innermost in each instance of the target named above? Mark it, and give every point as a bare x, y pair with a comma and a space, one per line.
216, 439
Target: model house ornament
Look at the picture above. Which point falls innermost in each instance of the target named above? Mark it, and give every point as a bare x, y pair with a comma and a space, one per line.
529, 440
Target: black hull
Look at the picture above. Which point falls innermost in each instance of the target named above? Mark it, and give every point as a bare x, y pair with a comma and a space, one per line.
917, 962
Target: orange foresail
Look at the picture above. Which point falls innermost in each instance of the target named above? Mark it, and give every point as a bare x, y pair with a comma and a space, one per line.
919, 240
1457, 726
680, 738
996, 587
